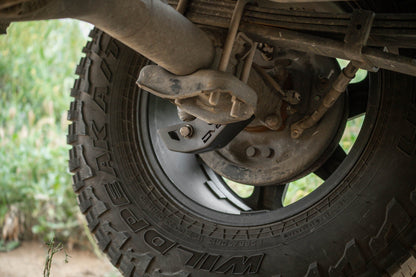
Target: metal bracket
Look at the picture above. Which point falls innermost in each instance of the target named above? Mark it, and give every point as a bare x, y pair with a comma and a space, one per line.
198, 136
357, 36
210, 95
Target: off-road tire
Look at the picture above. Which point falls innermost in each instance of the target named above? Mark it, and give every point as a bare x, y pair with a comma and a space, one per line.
364, 226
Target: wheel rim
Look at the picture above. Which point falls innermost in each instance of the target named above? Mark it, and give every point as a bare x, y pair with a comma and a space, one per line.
200, 191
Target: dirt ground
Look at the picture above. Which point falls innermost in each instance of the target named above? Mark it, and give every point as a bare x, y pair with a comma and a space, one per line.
29, 259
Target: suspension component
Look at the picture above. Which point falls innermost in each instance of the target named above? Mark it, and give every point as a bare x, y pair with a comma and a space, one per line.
210, 95
264, 153
151, 27
198, 136
338, 87
291, 96
232, 33
355, 39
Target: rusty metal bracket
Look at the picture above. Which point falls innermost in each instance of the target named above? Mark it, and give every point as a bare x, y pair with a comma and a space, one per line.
357, 36
233, 101
211, 95
358, 31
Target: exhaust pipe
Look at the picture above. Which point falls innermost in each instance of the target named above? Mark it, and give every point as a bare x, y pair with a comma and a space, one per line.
150, 27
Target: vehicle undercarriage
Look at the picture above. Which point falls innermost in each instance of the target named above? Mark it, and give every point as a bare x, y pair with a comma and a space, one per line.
176, 99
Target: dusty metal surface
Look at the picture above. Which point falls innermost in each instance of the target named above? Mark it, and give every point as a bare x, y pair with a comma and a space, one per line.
358, 33
355, 39
331, 48
276, 26
232, 33
211, 95
163, 35
338, 87
248, 62
393, 29
292, 97
150, 27
264, 153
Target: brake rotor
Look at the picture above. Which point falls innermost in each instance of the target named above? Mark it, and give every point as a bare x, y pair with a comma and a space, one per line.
261, 156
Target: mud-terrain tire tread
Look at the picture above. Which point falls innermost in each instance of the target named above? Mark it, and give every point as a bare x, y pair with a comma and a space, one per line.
390, 252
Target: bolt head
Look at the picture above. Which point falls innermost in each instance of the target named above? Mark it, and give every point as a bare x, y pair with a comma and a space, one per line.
251, 151
272, 121
186, 131
295, 133
267, 152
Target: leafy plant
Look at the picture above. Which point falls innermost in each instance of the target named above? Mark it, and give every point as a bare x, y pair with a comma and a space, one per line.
37, 61
52, 250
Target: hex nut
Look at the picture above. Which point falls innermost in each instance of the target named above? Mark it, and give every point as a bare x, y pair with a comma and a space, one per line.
186, 131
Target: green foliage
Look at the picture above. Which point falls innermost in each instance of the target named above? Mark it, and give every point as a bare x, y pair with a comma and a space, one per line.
52, 250
359, 76
37, 61
244, 191
8, 246
351, 133
300, 188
